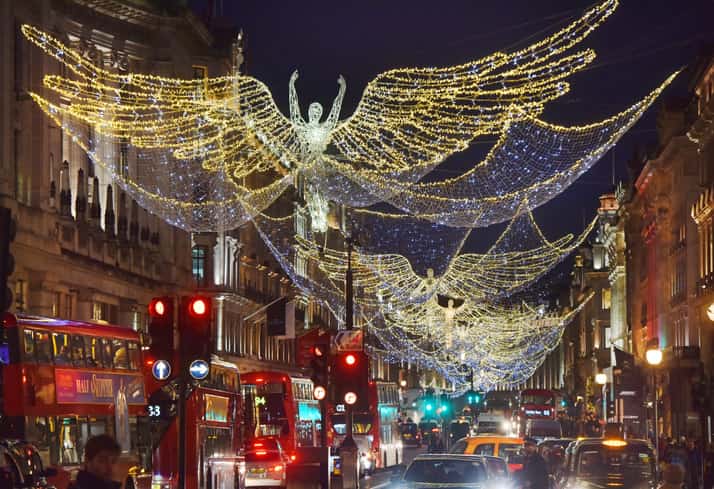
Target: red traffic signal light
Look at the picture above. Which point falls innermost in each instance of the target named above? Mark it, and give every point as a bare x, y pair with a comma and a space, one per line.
158, 307
198, 307
350, 359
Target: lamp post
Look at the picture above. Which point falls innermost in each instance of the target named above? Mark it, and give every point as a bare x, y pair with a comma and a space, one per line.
601, 379
654, 358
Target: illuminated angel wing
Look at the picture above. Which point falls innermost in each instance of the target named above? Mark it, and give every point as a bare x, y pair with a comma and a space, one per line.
190, 119
419, 116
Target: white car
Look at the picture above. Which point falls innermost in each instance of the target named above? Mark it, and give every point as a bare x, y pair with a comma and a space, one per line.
265, 464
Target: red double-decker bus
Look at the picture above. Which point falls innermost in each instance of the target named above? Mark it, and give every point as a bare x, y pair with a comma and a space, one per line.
214, 438
535, 404
65, 381
282, 406
375, 431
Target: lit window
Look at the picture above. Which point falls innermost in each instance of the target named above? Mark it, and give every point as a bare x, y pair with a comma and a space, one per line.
198, 261
606, 298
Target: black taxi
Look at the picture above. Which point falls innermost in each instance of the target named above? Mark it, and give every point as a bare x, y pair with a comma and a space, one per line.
610, 463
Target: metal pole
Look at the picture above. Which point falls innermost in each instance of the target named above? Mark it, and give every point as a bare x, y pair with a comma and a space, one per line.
349, 304
181, 420
656, 420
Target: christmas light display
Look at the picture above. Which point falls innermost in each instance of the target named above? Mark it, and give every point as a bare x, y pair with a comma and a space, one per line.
215, 153
217, 133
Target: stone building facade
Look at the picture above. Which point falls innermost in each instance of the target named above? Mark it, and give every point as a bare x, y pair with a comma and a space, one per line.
669, 235
84, 249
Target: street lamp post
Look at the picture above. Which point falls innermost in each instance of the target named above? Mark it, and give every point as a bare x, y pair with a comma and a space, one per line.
601, 379
654, 358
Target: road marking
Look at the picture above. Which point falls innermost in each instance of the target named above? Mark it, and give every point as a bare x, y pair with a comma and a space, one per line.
378, 486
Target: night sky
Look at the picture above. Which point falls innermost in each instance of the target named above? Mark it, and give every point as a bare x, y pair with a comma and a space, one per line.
637, 48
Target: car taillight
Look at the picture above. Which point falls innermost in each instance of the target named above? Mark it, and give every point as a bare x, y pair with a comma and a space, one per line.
261, 453
278, 468
293, 457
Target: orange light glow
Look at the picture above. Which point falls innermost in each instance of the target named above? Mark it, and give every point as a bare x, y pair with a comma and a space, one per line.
614, 443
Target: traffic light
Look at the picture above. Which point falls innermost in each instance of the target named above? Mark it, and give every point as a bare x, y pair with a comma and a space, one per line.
7, 261
319, 366
195, 314
473, 397
611, 412
445, 406
161, 329
350, 374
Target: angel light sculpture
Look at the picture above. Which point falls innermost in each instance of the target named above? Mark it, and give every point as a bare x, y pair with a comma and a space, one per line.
215, 152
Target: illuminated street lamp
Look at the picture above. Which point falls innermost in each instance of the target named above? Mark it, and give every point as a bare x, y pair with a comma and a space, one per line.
601, 379
654, 358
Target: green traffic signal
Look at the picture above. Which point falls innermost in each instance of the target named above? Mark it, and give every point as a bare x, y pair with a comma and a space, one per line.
429, 407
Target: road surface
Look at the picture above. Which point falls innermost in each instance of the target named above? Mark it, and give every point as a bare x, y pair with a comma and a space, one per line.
382, 479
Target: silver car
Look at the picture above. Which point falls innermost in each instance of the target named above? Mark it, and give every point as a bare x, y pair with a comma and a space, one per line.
265, 464
453, 470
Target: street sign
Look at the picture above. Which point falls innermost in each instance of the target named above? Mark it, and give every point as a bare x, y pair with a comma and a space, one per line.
161, 369
319, 393
350, 398
351, 340
199, 369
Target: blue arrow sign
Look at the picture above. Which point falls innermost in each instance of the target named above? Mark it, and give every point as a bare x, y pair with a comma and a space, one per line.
199, 369
161, 370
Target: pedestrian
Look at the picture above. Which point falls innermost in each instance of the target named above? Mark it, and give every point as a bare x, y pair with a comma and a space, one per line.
101, 453
672, 477
709, 470
535, 470
694, 464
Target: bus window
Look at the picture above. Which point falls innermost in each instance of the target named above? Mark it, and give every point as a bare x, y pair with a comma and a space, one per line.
133, 355
93, 350
69, 441
77, 344
43, 349
107, 355
121, 357
28, 346
61, 349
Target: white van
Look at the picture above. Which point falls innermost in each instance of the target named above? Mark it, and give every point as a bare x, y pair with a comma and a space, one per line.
540, 429
492, 424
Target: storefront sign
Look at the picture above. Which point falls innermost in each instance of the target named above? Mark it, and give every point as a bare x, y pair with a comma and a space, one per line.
94, 387
216, 408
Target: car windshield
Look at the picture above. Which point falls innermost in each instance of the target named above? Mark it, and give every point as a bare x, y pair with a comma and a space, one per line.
442, 471
632, 462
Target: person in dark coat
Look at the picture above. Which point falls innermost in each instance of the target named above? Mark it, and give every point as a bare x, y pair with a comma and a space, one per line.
100, 457
535, 471
694, 465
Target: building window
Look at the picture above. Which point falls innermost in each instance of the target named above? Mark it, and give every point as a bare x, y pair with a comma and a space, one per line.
606, 298
198, 264
124, 158
20, 296
56, 297
90, 147
101, 311
67, 306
